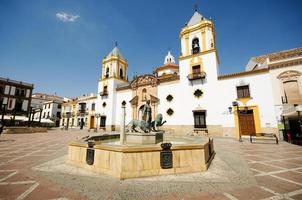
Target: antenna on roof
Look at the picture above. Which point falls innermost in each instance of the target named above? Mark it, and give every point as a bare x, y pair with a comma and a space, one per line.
195, 7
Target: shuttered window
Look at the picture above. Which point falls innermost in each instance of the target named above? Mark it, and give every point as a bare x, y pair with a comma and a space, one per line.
200, 119
243, 91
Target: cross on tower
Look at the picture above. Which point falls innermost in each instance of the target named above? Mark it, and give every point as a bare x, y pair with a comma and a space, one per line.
195, 7
115, 43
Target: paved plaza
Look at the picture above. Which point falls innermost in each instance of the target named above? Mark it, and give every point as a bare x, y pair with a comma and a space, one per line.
32, 166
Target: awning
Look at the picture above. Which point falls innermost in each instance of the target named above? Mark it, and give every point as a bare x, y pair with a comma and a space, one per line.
44, 121
290, 114
291, 111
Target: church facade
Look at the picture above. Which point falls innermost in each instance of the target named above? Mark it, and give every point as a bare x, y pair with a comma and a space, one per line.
193, 98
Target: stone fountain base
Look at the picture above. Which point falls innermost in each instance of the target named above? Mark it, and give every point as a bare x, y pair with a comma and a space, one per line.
131, 161
144, 138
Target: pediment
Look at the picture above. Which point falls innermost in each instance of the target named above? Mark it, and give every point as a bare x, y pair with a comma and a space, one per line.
143, 81
289, 74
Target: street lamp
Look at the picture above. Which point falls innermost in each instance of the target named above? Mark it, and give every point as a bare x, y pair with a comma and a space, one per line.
97, 115
235, 104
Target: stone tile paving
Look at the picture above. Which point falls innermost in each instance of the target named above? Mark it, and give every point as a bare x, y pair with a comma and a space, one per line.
239, 171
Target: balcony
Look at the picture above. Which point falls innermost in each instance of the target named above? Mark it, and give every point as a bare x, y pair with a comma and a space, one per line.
195, 76
82, 111
104, 93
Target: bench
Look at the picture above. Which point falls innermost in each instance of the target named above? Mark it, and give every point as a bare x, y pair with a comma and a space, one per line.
265, 136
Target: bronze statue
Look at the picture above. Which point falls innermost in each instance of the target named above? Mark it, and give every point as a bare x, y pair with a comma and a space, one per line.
143, 126
147, 112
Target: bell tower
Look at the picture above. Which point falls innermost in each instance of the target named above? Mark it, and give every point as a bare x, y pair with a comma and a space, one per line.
114, 65
114, 73
198, 46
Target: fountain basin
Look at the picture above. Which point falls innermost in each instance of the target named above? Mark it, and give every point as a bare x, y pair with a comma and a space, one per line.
188, 154
144, 138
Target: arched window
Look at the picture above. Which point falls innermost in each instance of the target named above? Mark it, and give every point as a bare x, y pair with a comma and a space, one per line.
144, 94
195, 46
107, 73
121, 73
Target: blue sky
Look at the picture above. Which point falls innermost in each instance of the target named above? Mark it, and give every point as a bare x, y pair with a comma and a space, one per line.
64, 57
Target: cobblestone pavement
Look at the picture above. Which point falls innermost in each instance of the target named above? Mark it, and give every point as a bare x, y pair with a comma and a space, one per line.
239, 171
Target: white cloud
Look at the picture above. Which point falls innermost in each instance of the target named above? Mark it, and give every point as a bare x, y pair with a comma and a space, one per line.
67, 17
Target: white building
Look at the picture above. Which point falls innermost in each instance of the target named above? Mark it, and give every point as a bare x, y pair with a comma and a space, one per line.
48, 106
193, 97
80, 111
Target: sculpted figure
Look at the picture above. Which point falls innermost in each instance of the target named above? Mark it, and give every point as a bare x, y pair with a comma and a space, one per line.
143, 126
147, 112
138, 126
157, 122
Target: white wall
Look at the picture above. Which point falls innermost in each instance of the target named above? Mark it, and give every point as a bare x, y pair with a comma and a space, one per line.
261, 93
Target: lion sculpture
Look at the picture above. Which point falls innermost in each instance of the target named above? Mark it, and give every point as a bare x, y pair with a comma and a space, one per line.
143, 126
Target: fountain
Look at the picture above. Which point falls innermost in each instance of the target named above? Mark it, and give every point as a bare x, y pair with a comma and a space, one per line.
140, 150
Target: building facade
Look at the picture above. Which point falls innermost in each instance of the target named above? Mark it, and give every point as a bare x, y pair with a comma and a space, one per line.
15, 97
193, 97
79, 112
46, 108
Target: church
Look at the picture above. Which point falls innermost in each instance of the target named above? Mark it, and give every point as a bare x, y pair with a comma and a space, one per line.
194, 98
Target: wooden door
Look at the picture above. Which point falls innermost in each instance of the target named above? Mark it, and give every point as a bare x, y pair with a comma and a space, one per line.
91, 122
247, 124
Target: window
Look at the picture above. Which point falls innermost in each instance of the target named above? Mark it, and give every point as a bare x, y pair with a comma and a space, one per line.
1, 102
198, 93
199, 119
45, 106
10, 102
82, 107
1, 89
48, 115
105, 89
144, 94
169, 98
107, 73
93, 106
243, 91
59, 106
58, 114
104, 104
17, 93
195, 46
48, 105
44, 115
22, 93
196, 69
121, 73
18, 106
170, 111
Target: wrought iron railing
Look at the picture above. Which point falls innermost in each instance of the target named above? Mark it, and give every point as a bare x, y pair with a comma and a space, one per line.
195, 76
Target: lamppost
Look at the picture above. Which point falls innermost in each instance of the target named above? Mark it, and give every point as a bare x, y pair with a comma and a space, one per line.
235, 104
97, 115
